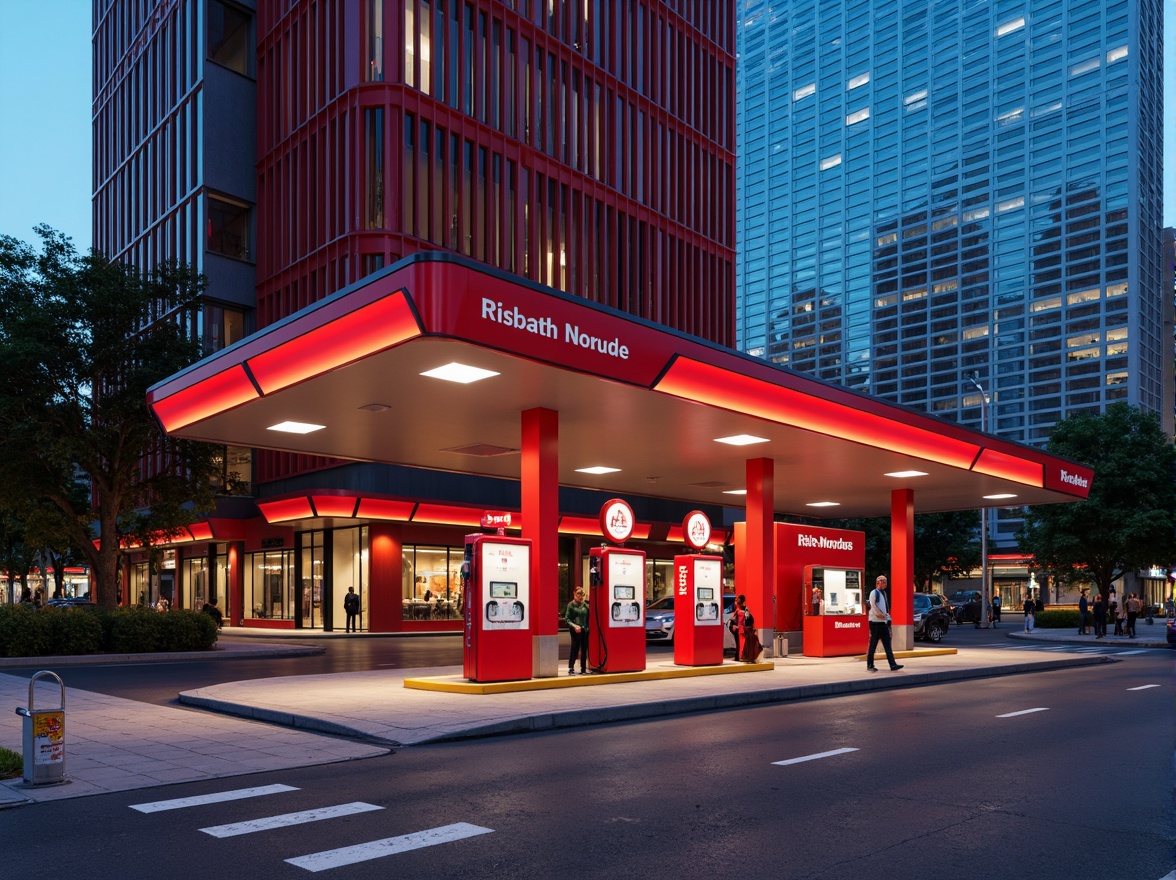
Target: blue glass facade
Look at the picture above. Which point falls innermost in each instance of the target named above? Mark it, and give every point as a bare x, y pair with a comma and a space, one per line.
932, 190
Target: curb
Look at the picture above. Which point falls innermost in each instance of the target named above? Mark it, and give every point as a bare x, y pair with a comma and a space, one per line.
1089, 642
214, 654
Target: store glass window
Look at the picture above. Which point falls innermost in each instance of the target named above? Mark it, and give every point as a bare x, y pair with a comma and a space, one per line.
349, 568
269, 585
194, 583
140, 583
432, 583
312, 579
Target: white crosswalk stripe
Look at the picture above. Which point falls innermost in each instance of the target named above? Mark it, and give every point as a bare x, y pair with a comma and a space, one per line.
217, 797
287, 819
378, 849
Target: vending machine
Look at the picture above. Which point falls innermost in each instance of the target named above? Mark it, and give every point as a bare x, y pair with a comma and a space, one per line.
698, 610
496, 593
616, 629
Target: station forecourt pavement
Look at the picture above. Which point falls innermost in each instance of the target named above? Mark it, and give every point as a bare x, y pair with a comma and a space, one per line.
114, 744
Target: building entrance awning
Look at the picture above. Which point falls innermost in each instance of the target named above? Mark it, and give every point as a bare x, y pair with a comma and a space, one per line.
653, 406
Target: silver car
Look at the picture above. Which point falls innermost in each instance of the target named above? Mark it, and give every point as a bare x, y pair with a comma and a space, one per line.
659, 620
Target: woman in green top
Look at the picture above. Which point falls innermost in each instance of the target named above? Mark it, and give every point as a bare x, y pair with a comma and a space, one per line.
577, 618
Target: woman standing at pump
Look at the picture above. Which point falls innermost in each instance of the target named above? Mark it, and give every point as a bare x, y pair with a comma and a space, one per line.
577, 617
749, 638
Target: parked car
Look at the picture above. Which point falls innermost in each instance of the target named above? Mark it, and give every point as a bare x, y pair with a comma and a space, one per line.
1171, 632
931, 617
659, 620
70, 603
966, 606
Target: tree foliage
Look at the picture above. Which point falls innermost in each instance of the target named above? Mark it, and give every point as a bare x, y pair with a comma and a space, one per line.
82, 339
1129, 519
947, 545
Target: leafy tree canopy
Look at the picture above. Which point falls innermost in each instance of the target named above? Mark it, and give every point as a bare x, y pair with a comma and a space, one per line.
1129, 519
82, 339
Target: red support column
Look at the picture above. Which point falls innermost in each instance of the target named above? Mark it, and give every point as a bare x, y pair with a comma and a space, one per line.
540, 509
759, 579
385, 613
902, 568
234, 610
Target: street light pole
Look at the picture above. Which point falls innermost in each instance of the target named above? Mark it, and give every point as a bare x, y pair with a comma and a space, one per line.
983, 621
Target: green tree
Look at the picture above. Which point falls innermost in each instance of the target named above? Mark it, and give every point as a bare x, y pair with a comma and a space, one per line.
82, 339
1129, 519
947, 545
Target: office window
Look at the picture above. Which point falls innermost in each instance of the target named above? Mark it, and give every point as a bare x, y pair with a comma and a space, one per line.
228, 228
229, 42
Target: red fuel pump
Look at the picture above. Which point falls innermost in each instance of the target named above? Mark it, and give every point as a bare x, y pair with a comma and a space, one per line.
698, 610
616, 634
496, 592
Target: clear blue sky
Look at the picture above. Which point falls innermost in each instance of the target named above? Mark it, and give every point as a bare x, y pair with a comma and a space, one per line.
45, 97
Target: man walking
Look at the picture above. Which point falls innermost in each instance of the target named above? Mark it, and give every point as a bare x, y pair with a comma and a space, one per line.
351, 606
1029, 608
1133, 608
577, 617
1083, 610
880, 626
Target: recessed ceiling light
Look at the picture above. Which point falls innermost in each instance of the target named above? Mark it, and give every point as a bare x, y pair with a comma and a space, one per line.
599, 469
462, 373
902, 475
741, 440
295, 427
375, 407
735, 492
1000, 497
823, 504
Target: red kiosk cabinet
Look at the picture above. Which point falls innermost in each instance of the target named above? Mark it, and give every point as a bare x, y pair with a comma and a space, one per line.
497, 606
616, 628
835, 623
698, 610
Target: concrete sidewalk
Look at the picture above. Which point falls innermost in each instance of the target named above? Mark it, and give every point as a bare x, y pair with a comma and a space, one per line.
114, 744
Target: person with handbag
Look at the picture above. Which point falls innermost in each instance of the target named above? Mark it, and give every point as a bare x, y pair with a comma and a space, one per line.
879, 618
751, 643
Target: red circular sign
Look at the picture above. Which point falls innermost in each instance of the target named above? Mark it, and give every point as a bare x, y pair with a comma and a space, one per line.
696, 529
616, 520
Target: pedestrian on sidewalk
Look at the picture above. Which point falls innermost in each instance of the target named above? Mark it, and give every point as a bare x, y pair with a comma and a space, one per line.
351, 607
1120, 617
1134, 606
1083, 613
880, 626
995, 609
1100, 616
1029, 607
577, 617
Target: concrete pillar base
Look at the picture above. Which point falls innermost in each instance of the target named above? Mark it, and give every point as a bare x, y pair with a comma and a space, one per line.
902, 638
545, 656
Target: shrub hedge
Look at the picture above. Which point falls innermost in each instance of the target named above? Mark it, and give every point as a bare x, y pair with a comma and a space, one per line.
1060, 618
29, 632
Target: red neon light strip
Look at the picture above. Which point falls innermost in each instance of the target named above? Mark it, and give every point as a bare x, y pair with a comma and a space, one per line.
206, 398
445, 514
334, 505
380, 325
380, 508
1010, 467
716, 386
201, 531
286, 509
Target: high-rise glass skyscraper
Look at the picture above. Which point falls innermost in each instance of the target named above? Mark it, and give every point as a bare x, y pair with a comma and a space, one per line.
929, 192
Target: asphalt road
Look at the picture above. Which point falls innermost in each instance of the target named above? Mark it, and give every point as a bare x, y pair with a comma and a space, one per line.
1063, 775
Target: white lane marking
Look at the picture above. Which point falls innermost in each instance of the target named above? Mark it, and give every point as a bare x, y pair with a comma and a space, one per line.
812, 757
1143, 687
214, 798
1022, 712
1125, 653
288, 819
389, 846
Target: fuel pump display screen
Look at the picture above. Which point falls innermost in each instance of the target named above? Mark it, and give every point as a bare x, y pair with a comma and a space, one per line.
504, 590
706, 594
624, 592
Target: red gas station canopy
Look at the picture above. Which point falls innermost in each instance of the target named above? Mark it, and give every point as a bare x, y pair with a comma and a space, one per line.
631, 395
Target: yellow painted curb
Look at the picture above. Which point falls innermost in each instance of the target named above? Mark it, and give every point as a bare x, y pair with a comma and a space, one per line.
455, 684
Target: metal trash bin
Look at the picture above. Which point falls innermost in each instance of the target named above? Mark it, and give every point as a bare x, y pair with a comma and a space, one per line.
781, 644
44, 738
